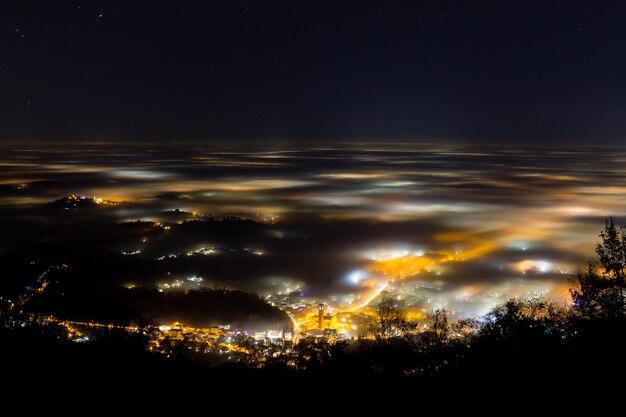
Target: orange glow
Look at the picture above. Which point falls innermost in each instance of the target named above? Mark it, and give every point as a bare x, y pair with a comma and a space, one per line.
371, 297
403, 267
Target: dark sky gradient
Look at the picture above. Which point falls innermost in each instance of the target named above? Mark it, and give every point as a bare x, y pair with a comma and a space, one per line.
482, 71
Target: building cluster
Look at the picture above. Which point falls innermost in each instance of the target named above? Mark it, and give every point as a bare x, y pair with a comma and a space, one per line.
234, 344
323, 322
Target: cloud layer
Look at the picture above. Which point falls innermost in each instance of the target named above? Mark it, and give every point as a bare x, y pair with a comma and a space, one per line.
456, 227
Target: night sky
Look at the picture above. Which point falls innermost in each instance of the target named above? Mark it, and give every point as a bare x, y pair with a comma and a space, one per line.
504, 71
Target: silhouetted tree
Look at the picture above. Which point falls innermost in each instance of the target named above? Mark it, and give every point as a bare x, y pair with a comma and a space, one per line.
599, 293
527, 324
389, 318
465, 328
438, 329
312, 353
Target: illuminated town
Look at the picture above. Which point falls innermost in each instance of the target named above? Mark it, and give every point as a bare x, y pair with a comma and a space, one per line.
332, 195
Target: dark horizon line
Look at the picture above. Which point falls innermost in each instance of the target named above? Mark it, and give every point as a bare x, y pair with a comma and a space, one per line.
537, 143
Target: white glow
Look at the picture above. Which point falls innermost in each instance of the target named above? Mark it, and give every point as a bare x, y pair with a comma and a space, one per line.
543, 266
355, 277
387, 254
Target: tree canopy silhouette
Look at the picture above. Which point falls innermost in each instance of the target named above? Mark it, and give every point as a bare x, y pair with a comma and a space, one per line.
599, 290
